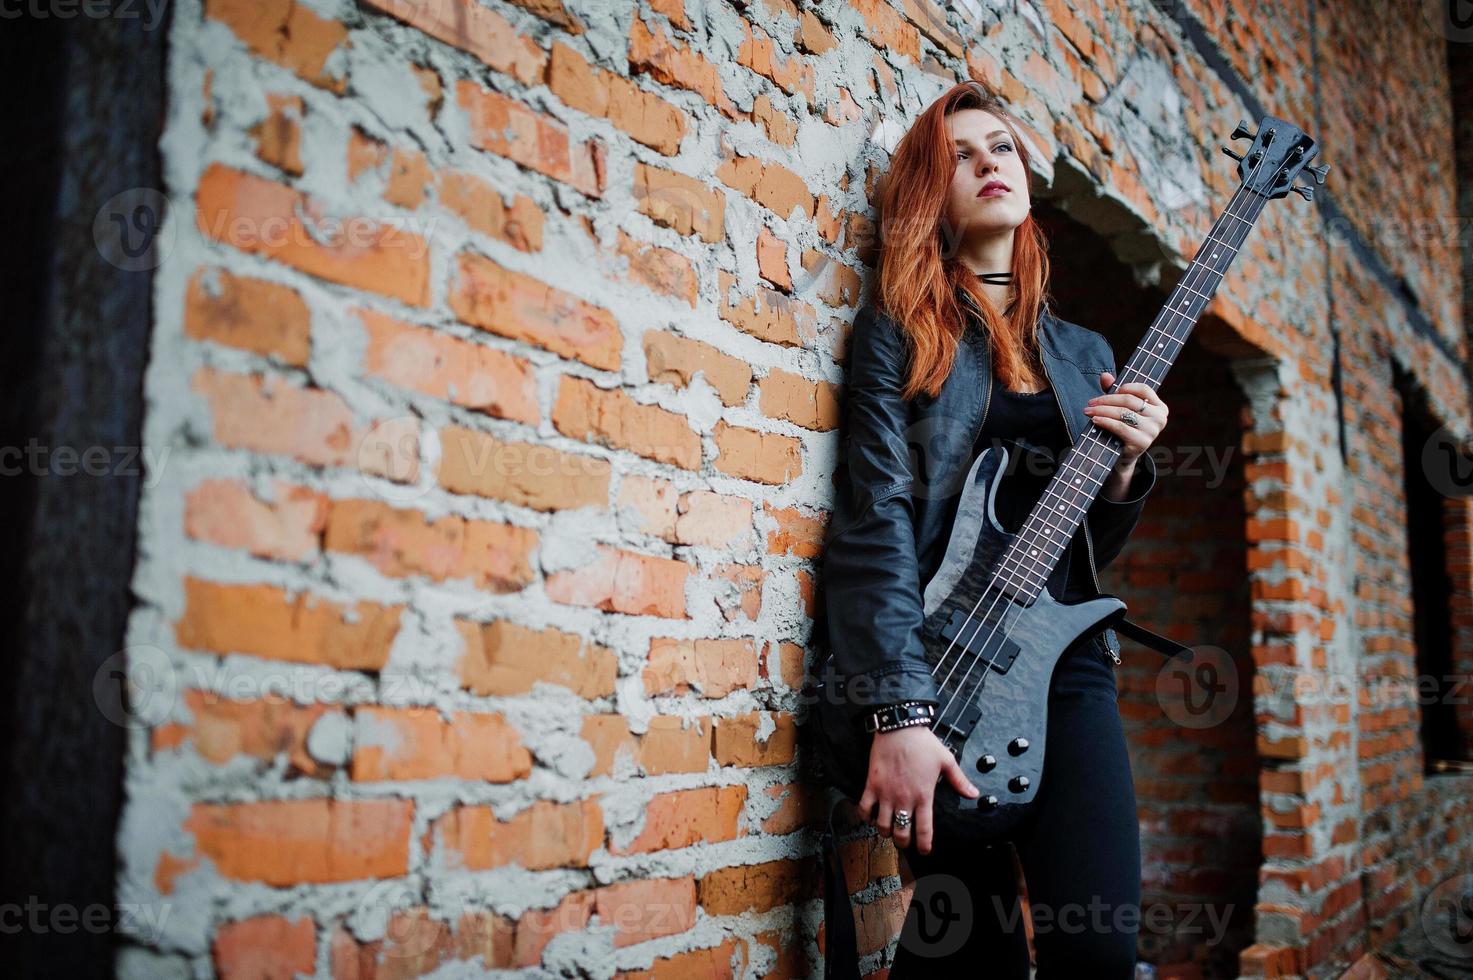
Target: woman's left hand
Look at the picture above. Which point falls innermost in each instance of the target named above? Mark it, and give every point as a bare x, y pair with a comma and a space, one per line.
1150, 411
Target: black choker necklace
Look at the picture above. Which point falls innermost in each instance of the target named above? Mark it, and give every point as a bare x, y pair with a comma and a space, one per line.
996, 278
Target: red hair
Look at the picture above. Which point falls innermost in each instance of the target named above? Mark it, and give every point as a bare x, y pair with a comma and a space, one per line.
919, 274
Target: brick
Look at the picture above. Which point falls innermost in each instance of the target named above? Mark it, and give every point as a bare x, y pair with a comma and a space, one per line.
797, 534
502, 658
476, 29
681, 203
713, 519
650, 506
811, 404
772, 260
793, 75
764, 457
611, 740
742, 598
660, 270
769, 315
783, 664
887, 30
674, 360
654, 54
418, 743
262, 728
288, 526
756, 887
313, 841
643, 115
647, 909
673, 744
257, 216
279, 136
797, 808
444, 367
686, 817
771, 185
495, 299
483, 209
724, 962
521, 473
249, 314
737, 740
544, 835
712, 668
267, 947
261, 621
614, 419
625, 582
494, 556
503, 126
287, 34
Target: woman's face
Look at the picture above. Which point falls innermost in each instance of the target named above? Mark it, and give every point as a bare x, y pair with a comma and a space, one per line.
985, 155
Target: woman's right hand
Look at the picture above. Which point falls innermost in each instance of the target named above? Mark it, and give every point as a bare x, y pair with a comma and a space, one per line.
904, 767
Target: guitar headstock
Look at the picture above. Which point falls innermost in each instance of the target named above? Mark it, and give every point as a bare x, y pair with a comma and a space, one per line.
1279, 152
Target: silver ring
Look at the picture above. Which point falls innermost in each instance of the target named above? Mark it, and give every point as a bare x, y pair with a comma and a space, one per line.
1143, 405
902, 818
1130, 418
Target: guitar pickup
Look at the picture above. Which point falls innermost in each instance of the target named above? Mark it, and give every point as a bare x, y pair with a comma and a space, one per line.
981, 641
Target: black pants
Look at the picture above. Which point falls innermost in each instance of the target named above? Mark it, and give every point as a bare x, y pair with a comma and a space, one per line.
1080, 853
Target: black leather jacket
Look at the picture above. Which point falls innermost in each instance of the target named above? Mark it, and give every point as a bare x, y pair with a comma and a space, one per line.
898, 485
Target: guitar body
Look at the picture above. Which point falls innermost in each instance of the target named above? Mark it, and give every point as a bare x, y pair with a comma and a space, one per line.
1000, 674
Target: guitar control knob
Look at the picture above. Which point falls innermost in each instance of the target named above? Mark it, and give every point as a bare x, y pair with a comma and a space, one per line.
1018, 784
1018, 746
988, 802
986, 763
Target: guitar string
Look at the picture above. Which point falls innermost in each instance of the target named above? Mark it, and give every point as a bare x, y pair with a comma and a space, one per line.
1092, 440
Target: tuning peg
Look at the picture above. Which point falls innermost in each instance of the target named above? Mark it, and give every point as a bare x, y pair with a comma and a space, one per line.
1319, 172
1305, 191
1243, 131
1230, 152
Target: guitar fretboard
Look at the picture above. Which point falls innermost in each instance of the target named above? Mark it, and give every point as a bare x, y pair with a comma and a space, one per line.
1040, 543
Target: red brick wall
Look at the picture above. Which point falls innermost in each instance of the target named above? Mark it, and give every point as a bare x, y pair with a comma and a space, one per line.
496, 381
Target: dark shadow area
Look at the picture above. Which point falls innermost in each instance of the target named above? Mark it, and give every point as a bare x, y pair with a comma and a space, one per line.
83, 124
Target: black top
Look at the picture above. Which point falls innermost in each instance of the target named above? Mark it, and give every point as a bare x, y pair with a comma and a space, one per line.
1033, 420
1030, 415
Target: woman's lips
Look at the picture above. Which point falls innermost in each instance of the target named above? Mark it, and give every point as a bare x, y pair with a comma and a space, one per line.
996, 190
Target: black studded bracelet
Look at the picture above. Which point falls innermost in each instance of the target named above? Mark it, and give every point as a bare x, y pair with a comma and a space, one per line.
906, 714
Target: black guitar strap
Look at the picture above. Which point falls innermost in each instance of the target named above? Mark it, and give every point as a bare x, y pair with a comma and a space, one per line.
841, 942
1163, 645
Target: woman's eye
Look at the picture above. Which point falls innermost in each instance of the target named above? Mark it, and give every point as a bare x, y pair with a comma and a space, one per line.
1003, 146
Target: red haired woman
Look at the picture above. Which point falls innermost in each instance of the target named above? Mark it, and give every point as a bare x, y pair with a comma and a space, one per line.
957, 348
